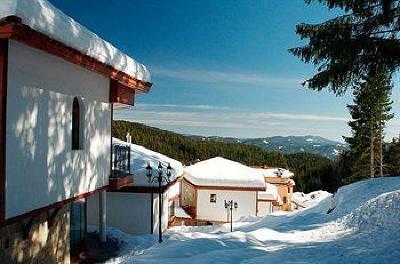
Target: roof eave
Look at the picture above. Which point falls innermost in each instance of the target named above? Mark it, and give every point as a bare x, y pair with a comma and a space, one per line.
11, 27
226, 187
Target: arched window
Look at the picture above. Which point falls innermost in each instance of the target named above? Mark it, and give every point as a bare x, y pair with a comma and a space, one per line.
76, 120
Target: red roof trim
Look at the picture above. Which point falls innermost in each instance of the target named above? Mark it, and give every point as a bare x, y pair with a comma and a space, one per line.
120, 93
12, 28
59, 204
145, 189
3, 109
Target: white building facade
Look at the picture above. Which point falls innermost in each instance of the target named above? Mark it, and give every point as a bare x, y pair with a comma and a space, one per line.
134, 208
208, 184
267, 199
38, 130
57, 91
213, 210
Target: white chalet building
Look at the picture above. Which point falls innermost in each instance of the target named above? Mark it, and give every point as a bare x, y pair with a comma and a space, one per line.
208, 184
133, 208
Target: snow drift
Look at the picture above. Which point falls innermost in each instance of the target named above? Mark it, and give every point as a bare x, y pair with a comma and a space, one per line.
361, 227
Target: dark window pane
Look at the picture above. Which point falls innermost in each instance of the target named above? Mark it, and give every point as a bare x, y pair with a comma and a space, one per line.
213, 198
77, 226
75, 124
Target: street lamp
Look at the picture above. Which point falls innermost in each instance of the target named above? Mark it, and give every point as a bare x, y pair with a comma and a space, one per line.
229, 205
160, 178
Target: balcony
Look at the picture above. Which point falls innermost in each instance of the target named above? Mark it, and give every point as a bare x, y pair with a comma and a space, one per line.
121, 166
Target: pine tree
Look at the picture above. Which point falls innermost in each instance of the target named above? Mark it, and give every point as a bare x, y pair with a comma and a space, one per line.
343, 167
370, 112
345, 47
392, 157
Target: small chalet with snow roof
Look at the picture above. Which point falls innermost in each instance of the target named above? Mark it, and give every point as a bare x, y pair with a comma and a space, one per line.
208, 184
268, 200
133, 208
59, 83
283, 180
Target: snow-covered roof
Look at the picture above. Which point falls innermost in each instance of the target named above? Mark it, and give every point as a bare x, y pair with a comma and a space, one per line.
140, 156
226, 173
43, 17
309, 199
274, 172
271, 193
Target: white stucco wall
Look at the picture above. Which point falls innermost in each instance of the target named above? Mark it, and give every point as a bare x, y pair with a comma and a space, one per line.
41, 168
129, 212
174, 197
164, 216
174, 190
264, 208
216, 211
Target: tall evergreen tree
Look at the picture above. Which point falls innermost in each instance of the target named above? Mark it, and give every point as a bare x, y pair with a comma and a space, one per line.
343, 167
392, 157
370, 112
346, 47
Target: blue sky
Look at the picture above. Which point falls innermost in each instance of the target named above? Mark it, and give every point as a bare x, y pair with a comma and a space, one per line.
221, 67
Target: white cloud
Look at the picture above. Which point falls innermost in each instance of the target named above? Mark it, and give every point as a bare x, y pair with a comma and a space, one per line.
199, 75
192, 123
186, 106
217, 112
305, 117
230, 122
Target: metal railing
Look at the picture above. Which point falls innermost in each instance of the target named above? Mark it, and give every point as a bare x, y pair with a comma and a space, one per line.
121, 160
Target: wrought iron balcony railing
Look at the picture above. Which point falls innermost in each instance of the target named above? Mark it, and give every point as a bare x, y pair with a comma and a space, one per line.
121, 160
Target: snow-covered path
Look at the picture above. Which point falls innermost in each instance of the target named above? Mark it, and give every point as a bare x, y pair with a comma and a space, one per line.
361, 229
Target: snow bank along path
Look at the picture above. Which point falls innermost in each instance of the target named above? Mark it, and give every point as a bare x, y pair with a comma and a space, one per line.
362, 228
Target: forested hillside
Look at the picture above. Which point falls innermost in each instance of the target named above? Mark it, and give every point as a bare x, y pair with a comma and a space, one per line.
312, 172
290, 144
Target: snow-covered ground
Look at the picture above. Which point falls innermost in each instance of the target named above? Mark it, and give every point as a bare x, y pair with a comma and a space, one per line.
362, 228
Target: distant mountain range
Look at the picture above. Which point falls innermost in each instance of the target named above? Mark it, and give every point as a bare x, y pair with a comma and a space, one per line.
289, 144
